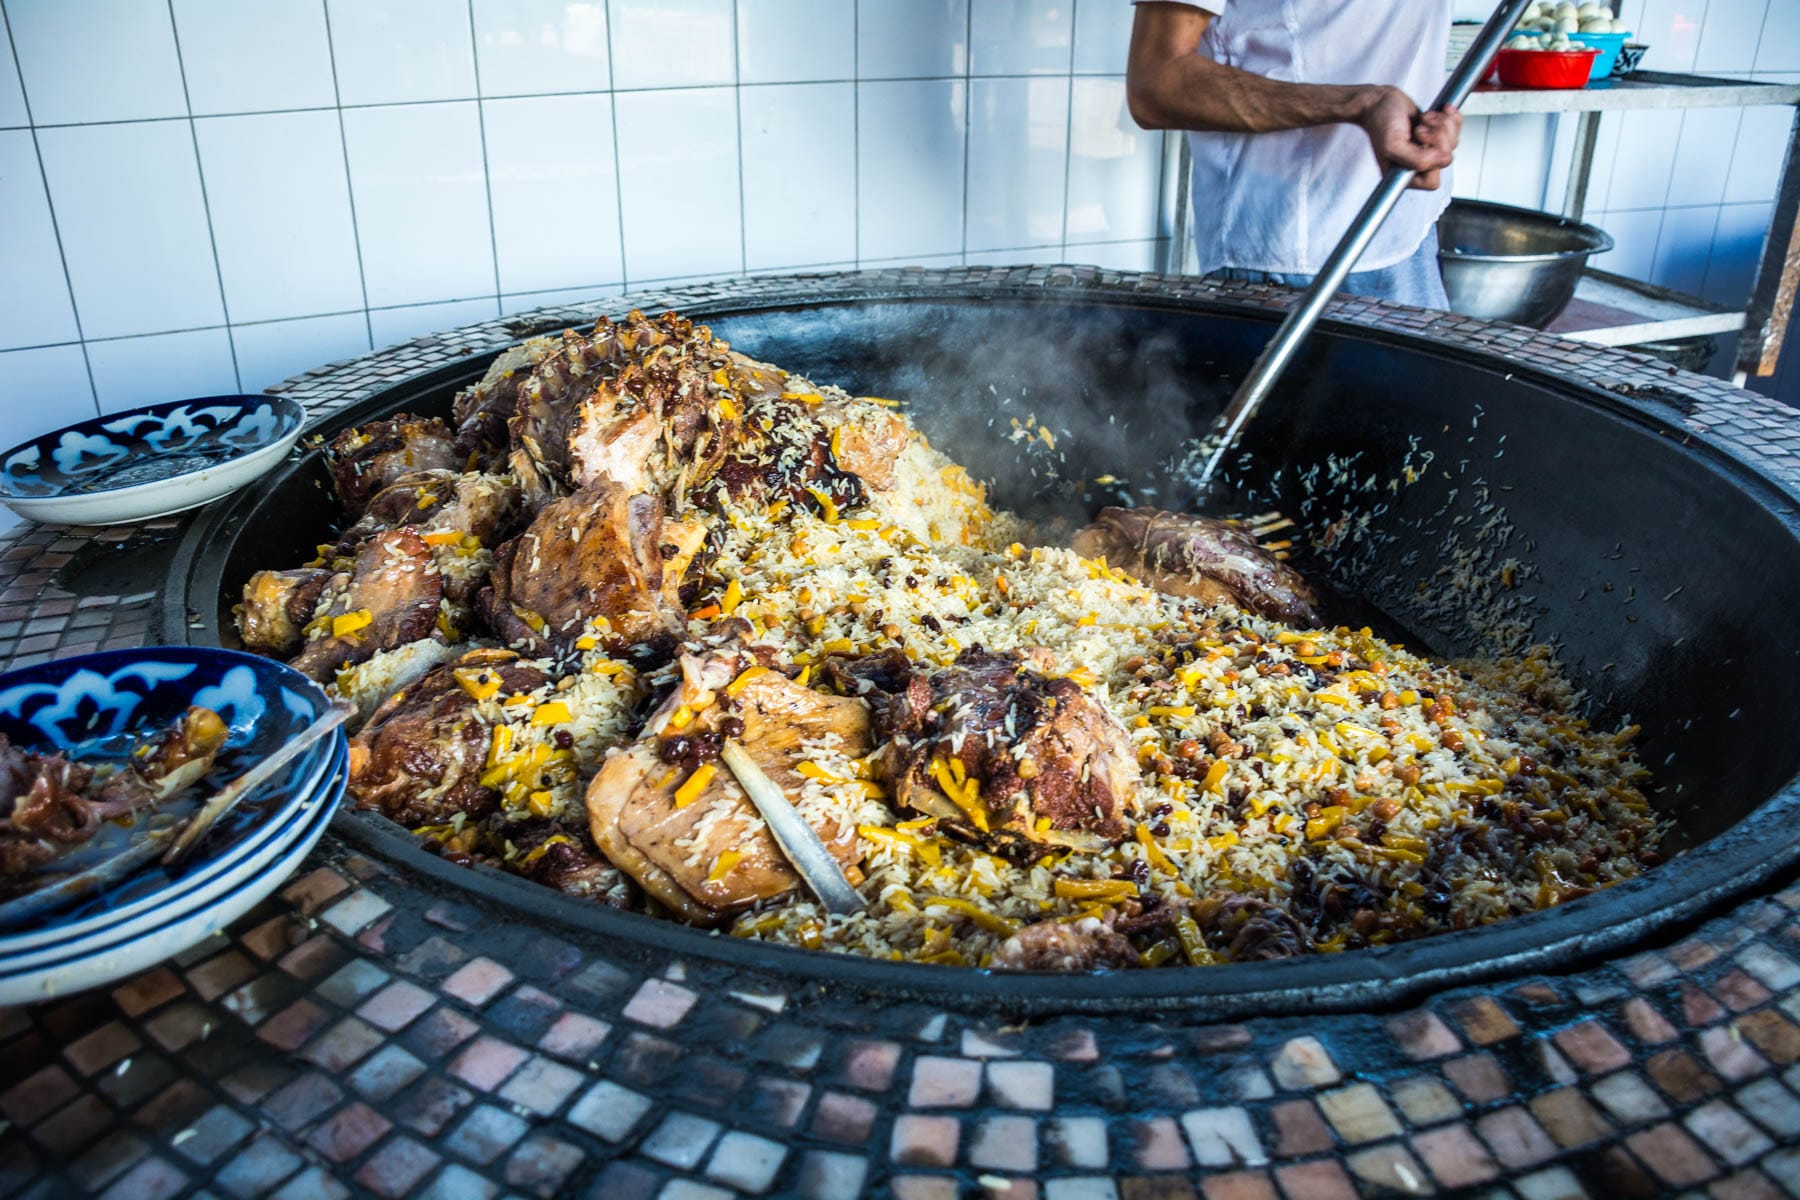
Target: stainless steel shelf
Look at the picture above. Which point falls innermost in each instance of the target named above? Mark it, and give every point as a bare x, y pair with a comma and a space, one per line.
1613, 310
1644, 90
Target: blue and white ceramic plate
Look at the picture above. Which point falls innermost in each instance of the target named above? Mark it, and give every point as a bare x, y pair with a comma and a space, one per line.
97, 706
148, 462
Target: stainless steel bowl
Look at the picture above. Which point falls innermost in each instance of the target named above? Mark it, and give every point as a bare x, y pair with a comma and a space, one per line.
1502, 263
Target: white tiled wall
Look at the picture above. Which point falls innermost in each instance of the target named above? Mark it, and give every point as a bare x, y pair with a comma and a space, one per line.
211, 195
201, 196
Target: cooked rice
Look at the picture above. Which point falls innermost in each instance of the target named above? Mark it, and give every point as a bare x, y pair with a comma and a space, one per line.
1379, 768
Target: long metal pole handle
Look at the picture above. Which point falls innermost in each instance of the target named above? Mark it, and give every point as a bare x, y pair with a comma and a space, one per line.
1300, 319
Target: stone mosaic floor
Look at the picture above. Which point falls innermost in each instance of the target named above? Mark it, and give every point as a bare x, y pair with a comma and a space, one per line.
357, 1034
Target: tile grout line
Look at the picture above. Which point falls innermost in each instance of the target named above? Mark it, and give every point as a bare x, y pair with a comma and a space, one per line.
362, 277
737, 104
632, 91
212, 238
1069, 126
612, 110
487, 174
1680, 128
856, 132
968, 115
37, 150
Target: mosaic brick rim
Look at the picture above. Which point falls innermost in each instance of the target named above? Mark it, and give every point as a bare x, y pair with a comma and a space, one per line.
1731, 864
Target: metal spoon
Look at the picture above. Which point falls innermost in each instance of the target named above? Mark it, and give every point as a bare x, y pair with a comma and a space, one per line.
811, 860
226, 798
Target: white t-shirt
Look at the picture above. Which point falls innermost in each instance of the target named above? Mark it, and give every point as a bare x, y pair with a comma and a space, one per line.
1279, 201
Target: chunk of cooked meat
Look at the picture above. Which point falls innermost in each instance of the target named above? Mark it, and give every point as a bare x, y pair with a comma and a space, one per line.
468, 502
545, 405
603, 558
45, 806
1212, 561
666, 420
666, 812
565, 859
1004, 755
388, 598
482, 411
1085, 945
277, 606
789, 461
50, 803
864, 438
457, 515
550, 403
173, 760
1248, 929
420, 755
370, 457
367, 685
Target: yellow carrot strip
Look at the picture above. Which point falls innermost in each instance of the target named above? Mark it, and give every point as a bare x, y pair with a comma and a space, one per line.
745, 679
722, 867
1193, 943
500, 745
827, 506
554, 712
1152, 851
992, 922
1096, 889
479, 682
696, 783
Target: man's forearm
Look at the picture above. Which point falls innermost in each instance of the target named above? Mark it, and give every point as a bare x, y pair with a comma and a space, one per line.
1194, 92
1170, 85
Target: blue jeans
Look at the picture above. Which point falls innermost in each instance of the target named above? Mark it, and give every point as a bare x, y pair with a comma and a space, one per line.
1415, 280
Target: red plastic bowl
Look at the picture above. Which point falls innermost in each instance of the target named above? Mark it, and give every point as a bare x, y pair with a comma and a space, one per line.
1546, 68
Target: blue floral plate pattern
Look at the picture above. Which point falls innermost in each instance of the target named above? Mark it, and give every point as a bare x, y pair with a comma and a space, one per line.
148, 462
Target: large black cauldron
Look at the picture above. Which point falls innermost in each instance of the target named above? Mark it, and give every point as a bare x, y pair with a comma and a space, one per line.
1477, 502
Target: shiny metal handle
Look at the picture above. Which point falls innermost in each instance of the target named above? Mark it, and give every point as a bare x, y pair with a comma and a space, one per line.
1300, 319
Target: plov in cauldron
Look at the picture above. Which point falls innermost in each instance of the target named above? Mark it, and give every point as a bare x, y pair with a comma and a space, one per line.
637, 546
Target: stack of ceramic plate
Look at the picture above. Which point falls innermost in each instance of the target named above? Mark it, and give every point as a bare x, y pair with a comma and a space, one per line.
96, 708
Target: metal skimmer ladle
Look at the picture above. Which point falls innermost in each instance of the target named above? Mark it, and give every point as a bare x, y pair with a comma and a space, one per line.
1285, 345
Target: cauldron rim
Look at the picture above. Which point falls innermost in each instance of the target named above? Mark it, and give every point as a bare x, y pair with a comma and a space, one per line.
1730, 865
